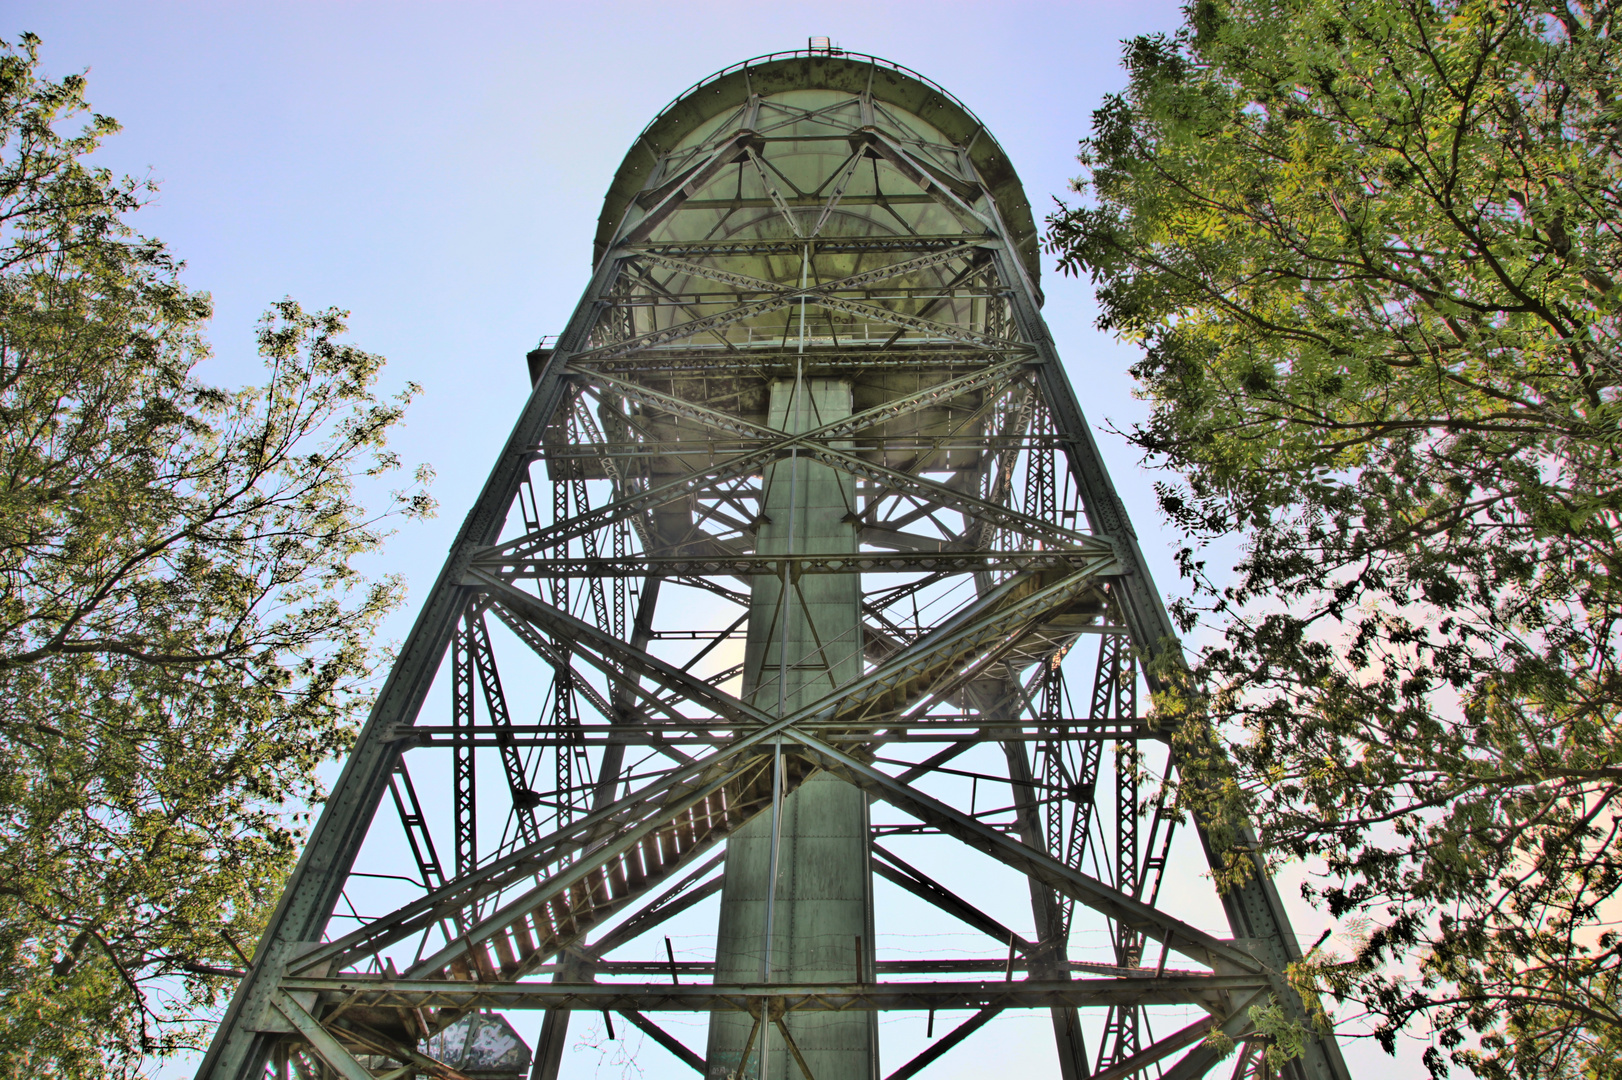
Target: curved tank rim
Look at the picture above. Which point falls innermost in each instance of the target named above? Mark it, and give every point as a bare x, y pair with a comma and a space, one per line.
1017, 213
790, 54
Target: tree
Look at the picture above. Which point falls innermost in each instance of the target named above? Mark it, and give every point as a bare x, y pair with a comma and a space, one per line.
1370, 249
184, 636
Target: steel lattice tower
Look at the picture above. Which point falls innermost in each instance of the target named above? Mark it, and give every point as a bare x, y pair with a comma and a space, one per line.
800, 579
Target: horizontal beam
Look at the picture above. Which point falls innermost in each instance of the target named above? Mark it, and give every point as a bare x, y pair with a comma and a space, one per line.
918, 442
824, 295
811, 202
714, 734
796, 247
658, 299
356, 990
705, 969
762, 359
924, 261
867, 562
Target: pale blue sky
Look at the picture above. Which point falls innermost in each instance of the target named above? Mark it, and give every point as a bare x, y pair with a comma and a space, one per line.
437, 169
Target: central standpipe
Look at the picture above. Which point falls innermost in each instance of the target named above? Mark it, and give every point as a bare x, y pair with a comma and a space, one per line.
804, 642
801, 238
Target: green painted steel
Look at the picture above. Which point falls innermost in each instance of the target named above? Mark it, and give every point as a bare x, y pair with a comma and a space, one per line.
801, 515
804, 643
696, 111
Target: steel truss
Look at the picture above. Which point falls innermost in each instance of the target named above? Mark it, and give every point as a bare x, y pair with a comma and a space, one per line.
835, 226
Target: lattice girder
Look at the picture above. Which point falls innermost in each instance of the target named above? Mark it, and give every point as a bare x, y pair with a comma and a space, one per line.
826, 525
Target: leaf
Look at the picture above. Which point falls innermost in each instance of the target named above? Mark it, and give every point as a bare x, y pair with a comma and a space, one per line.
1369, 250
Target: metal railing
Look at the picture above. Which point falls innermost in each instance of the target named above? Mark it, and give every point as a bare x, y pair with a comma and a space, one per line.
766, 58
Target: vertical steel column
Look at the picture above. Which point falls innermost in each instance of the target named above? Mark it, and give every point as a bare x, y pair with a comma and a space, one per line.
1051, 954
464, 774
562, 681
1117, 687
1254, 909
804, 641
1128, 765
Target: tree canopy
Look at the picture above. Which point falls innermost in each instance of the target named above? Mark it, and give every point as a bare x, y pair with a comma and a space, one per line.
1371, 250
184, 635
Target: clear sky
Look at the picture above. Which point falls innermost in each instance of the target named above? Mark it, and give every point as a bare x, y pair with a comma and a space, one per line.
437, 169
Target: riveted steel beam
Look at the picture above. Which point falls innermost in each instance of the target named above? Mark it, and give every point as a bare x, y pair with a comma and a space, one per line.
795, 565
941, 505
1203, 990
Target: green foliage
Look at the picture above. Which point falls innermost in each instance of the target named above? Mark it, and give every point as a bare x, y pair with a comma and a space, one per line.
1286, 1039
183, 635
1371, 251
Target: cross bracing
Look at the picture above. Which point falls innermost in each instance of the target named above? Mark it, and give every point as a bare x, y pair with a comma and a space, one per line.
798, 605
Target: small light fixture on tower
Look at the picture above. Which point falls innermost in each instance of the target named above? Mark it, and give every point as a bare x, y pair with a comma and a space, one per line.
820, 46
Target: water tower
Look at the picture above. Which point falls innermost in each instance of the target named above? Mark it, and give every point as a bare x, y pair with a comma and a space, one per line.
799, 607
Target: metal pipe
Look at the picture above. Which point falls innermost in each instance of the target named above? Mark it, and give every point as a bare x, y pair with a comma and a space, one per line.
782, 669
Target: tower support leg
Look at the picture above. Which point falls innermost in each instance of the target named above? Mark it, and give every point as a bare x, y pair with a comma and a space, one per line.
804, 640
